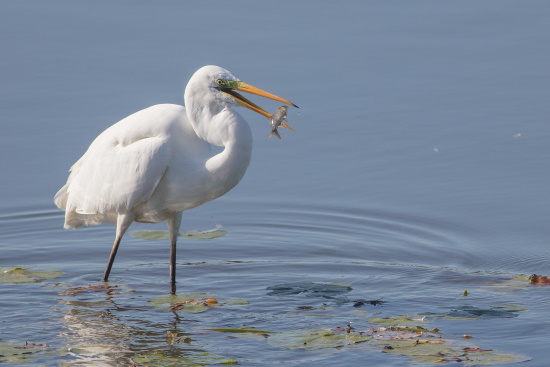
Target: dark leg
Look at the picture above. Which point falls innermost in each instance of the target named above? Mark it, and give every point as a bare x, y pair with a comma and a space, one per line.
173, 228
111, 259
172, 267
123, 222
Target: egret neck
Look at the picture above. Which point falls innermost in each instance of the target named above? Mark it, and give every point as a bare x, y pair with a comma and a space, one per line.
224, 127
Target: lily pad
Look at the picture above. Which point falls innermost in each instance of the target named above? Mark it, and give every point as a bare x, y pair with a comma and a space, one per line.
398, 320
311, 289
16, 355
17, 275
197, 235
519, 282
206, 234
159, 359
236, 302
191, 302
439, 351
151, 235
315, 339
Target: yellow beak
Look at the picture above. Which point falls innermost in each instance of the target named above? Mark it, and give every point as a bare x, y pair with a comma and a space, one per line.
243, 87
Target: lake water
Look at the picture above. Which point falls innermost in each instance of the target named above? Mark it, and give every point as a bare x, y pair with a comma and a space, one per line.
419, 168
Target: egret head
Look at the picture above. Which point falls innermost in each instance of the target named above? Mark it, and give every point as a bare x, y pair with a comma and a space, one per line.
224, 86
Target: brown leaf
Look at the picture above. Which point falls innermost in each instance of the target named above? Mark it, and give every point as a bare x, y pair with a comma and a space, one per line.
539, 279
467, 350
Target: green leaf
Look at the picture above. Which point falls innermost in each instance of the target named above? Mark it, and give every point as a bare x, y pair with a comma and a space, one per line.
196, 235
439, 351
151, 235
158, 359
517, 282
236, 302
204, 235
315, 339
428, 353
168, 302
16, 355
17, 275
398, 320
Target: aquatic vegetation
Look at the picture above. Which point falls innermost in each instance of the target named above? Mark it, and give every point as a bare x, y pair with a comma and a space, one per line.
417, 343
16, 275
159, 359
521, 281
207, 234
193, 302
315, 339
19, 354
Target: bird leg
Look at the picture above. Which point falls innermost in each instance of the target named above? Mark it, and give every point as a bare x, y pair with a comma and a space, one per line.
174, 229
111, 259
123, 222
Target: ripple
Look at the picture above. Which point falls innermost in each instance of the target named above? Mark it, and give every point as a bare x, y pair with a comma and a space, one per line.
354, 233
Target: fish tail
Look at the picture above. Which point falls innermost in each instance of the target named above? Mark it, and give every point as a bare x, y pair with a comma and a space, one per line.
274, 132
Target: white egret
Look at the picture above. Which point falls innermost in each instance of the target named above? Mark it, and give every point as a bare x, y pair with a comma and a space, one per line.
157, 162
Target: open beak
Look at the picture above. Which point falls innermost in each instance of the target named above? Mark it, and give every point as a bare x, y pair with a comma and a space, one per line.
243, 87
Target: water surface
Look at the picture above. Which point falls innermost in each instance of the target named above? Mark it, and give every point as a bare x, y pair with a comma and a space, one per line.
418, 169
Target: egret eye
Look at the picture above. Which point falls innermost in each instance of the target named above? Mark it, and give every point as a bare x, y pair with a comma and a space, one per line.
220, 82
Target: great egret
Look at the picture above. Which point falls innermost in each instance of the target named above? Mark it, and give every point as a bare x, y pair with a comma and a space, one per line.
157, 162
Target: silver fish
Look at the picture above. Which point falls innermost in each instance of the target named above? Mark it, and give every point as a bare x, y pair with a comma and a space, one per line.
276, 120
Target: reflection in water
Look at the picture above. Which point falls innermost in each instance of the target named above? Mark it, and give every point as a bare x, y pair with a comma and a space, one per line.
97, 335
101, 332
94, 334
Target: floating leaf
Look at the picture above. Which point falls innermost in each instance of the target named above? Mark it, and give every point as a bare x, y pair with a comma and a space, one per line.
206, 234
428, 353
236, 302
315, 339
489, 357
441, 351
16, 355
539, 280
520, 281
187, 300
311, 289
399, 320
429, 346
197, 235
18, 275
159, 359
151, 235
193, 302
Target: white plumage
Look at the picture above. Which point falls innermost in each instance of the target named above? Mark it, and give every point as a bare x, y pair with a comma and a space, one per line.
158, 162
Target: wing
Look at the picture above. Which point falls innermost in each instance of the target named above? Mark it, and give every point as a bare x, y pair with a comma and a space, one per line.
120, 170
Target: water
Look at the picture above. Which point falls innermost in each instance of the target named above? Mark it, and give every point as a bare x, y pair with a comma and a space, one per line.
418, 169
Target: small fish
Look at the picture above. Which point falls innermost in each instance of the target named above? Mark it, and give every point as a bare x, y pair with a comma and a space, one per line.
276, 120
